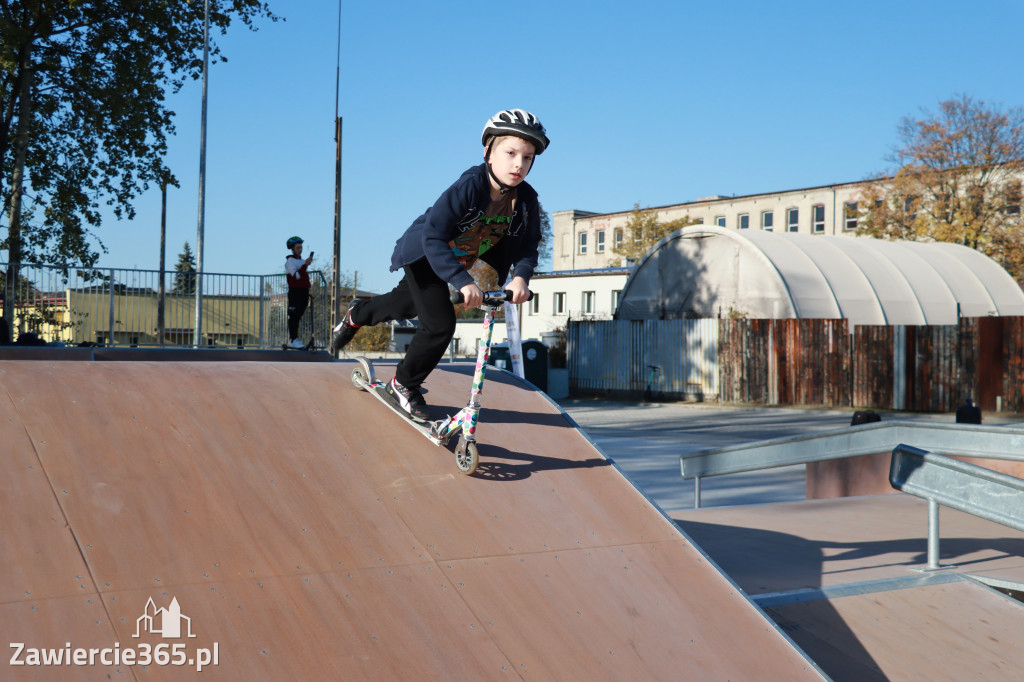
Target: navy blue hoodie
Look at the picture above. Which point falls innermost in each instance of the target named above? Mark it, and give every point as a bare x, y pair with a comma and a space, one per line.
457, 210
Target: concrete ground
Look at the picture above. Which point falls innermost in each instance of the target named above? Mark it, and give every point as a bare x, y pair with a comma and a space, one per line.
646, 439
844, 577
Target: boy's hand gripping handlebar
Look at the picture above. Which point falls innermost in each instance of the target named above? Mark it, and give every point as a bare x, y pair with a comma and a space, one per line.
491, 298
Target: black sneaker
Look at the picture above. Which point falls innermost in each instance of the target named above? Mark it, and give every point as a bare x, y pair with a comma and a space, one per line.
409, 400
345, 330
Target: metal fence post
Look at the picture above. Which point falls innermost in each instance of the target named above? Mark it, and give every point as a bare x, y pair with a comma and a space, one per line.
110, 293
263, 303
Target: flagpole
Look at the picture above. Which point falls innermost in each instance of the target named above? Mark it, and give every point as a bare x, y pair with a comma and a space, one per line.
336, 284
198, 328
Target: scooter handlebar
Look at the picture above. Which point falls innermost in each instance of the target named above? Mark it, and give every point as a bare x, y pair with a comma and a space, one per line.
490, 297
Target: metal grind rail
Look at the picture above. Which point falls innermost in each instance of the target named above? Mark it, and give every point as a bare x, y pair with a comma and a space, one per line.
965, 440
969, 488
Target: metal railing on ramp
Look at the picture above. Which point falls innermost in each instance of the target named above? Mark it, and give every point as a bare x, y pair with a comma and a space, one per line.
965, 440
969, 488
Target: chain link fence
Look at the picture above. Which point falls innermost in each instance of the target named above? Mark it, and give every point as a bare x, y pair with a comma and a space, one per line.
128, 308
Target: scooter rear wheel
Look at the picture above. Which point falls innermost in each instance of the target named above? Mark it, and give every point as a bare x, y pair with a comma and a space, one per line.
466, 456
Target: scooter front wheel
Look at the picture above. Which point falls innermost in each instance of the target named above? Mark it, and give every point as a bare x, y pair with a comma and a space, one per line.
466, 456
362, 374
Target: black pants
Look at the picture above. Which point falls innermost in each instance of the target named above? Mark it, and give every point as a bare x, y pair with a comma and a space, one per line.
424, 295
298, 299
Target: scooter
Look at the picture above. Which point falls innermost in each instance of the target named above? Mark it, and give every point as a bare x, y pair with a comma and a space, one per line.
463, 422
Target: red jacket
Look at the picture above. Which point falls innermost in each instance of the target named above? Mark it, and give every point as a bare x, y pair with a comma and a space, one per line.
295, 266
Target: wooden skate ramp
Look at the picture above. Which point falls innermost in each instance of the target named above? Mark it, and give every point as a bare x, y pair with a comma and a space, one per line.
306, 533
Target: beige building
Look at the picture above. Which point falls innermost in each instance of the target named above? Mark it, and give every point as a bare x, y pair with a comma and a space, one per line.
584, 240
129, 318
587, 278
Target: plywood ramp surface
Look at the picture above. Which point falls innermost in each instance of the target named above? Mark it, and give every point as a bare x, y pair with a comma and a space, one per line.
307, 533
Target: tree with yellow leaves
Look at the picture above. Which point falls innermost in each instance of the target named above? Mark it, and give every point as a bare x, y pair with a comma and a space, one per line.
957, 178
643, 230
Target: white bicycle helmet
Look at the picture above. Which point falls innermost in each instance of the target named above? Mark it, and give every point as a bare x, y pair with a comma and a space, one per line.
517, 122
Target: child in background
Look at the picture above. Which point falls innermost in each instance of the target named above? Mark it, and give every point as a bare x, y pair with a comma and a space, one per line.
298, 288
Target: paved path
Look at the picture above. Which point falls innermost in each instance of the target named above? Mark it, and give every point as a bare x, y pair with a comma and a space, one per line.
646, 439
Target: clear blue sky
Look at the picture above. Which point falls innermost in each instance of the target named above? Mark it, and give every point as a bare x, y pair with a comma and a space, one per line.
654, 102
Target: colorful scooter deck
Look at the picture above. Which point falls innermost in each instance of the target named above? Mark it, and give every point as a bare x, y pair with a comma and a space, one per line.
466, 457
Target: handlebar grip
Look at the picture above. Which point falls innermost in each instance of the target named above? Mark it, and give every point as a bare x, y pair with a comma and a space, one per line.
490, 297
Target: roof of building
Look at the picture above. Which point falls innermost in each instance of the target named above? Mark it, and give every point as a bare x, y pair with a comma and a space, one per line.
615, 270
714, 199
707, 271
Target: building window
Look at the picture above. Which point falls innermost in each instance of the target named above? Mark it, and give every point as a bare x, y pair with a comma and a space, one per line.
533, 306
618, 238
850, 215
743, 221
558, 306
720, 220
818, 218
793, 220
600, 241
583, 243
588, 302
616, 296
767, 220
1013, 192
910, 208
944, 205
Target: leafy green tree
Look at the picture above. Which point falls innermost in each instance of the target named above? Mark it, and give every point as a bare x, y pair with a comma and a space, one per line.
642, 231
185, 272
82, 116
956, 178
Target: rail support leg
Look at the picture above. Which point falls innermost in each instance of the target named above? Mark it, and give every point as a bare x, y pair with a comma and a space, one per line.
933, 535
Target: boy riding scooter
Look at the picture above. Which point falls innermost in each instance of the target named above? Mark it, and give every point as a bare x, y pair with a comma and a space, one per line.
490, 213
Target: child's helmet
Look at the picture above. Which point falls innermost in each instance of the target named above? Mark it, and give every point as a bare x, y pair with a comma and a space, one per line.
293, 241
517, 122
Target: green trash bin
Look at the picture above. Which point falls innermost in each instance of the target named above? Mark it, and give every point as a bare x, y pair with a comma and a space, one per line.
500, 356
535, 363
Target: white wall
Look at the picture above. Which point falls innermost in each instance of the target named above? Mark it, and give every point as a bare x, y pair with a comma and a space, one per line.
544, 317
602, 284
469, 333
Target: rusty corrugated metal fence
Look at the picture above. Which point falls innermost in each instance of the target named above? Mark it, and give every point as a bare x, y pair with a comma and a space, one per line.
804, 362
784, 362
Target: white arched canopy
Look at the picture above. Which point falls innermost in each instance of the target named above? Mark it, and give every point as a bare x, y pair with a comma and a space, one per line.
707, 271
